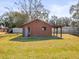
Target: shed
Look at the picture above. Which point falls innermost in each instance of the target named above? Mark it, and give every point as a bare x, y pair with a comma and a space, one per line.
37, 28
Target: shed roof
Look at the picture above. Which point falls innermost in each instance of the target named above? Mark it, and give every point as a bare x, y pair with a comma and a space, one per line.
34, 21
40, 21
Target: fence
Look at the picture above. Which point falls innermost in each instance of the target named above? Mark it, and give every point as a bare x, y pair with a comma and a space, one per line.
17, 30
69, 30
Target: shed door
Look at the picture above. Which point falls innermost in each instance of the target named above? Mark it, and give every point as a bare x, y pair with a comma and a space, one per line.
25, 31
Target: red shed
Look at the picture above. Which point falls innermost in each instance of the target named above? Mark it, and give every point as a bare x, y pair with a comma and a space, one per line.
37, 28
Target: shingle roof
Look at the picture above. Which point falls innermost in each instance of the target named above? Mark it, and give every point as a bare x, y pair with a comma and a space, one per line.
36, 20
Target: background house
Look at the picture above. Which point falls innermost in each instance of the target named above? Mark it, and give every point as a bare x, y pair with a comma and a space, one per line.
3, 29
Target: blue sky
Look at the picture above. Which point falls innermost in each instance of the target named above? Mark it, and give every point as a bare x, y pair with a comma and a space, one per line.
59, 8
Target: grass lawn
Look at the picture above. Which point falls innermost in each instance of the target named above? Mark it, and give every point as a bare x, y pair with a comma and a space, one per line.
66, 48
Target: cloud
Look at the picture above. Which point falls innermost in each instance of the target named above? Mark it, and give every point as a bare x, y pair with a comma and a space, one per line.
61, 10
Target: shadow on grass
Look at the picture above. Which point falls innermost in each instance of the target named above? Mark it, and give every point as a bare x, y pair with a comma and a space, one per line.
2, 36
75, 34
28, 39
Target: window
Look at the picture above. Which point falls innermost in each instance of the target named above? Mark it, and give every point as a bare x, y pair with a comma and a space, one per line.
43, 28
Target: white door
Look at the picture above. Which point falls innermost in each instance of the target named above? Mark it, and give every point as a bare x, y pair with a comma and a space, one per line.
25, 31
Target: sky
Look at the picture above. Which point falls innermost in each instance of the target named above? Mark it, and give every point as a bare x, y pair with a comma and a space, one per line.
58, 8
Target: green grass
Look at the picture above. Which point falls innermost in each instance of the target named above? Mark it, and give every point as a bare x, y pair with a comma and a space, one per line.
12, 47
34, 38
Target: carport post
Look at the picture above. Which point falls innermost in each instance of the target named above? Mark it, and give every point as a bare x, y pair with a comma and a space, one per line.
61, 32
54, 32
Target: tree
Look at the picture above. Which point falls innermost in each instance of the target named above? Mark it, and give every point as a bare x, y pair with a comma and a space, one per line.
33, 8
1, 21
53, 20
74, 11
19, 18
65, 21
14, 19
8, 20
